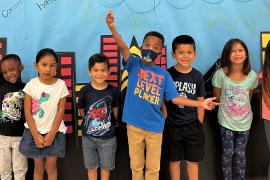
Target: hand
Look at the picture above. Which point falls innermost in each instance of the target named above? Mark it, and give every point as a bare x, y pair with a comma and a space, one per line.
209, 103
39, 140
49, 139
110, 19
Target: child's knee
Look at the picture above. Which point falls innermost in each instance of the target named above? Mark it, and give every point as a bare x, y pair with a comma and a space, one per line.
51, 169
192, 164
240, 154
39, 168
228, 152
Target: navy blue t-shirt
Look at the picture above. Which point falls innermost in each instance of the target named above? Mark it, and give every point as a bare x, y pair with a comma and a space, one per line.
189, 85
11, 109
99, 119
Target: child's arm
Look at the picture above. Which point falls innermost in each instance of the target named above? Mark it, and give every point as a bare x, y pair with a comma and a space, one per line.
119, 41
250, 94
115, 113
200, 111
82, 113
208, 103
56, 122
217, 92
38, 138
164, 109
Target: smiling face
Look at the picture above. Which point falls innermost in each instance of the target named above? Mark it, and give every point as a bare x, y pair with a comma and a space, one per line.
11, 70
99, 73
184, 54
238, 54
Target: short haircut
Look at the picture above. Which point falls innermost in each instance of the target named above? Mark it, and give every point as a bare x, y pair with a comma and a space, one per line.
9, 57
183, 39
156, 34
98, 58
14, 57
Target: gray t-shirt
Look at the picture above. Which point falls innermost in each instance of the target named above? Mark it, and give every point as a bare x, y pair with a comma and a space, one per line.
236, 113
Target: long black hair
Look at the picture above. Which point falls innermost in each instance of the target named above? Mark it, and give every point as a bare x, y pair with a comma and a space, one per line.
226, 53
266, 70
46, 52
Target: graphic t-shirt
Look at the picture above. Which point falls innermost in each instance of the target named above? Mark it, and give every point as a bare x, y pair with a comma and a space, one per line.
146, 87
236, 113
189, 85
11, 109
45, 99
99, 119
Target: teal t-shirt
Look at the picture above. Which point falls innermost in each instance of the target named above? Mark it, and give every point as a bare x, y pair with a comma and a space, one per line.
236, 113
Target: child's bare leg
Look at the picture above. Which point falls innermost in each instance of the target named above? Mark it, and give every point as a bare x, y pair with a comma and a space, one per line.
175, 170
193, 170
51, 167
105, 174
92, 174
39, 168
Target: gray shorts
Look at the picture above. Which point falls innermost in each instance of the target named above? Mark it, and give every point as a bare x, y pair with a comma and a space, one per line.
99, 152
29, 149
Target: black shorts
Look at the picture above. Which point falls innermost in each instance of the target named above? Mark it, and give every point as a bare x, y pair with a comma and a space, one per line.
185, 142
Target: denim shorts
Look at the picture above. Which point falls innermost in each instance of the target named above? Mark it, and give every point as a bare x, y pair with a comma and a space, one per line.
29, 149
99, 152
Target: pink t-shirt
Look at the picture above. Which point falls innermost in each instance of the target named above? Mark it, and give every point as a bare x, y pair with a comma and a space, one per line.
265, 110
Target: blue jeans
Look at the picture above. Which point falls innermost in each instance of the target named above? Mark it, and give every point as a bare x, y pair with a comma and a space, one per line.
233, 143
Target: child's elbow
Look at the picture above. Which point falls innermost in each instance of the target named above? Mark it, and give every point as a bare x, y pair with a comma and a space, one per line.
174, 100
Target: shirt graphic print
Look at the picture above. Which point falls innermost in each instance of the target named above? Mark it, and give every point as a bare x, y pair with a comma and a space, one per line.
12, 106
98, 117
36, 104
148, 86
237, 103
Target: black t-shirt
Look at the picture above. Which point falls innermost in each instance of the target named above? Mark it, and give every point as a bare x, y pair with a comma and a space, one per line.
11, 109
99, 119
189, 85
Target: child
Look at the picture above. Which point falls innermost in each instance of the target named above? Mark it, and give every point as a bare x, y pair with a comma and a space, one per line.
44, 105
11, 119
183, 129
264, 78
147, 84
233, 84
98, 106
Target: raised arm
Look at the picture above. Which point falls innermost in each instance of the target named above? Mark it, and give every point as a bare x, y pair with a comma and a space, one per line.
119, 41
